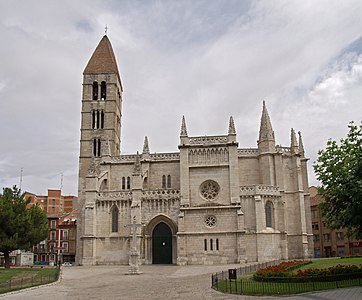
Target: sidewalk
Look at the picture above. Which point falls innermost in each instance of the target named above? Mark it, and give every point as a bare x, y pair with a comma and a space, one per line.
156, 282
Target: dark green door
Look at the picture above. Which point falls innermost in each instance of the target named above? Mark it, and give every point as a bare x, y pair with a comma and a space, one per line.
162, 244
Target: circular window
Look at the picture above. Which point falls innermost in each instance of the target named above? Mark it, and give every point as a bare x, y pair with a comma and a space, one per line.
209, 189
210, 221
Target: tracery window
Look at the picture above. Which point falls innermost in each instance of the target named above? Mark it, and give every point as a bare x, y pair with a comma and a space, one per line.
269, 214
114, 215
209, 189
123, 183
210, 221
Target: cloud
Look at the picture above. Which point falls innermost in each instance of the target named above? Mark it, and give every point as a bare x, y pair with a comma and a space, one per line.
205, 60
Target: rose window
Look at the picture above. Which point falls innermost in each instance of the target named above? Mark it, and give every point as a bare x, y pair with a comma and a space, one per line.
210, 221
209, 190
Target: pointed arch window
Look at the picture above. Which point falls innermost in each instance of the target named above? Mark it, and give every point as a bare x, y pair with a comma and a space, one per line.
163, 181
103, 90
97, 147
128, 183
168, 181
95, 90
123, 183
269, 214
114, 216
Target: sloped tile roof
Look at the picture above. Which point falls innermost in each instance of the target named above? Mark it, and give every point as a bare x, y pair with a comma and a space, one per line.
103, 60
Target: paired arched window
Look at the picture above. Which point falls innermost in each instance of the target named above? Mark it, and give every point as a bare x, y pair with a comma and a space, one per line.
114, 216
95, 90
166, 181
97, 119
269, 215
126, 182
103, 90
97, 147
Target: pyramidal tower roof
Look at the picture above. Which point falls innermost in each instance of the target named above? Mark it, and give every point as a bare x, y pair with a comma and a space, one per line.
103, 60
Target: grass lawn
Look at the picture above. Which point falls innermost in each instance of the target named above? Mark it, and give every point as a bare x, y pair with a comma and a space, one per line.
17, 278
330, 262
247, 286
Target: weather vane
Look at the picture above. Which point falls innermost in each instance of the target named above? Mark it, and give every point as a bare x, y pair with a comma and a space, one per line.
105, 29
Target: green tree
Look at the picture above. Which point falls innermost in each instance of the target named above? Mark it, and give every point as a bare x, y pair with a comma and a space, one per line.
339, 169
21, 227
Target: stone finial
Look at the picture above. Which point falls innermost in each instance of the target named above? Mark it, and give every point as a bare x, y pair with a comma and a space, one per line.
146, 149
293, 142
301, 146
137, 165
183, 127
231, 126
266, 132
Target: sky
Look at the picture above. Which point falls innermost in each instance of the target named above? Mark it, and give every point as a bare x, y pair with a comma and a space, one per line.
206, 60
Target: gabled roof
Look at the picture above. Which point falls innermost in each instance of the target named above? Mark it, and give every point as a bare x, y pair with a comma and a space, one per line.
103, 60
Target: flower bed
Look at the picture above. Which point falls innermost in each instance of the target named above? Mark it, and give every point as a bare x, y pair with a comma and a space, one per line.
283, 273
284, 269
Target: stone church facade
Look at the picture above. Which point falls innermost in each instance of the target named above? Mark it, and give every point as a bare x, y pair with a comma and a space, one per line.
209, 203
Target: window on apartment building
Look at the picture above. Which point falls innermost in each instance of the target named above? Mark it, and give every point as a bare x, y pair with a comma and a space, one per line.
315, 226
316, 238
114, 216
269, 214
53, 224
314, 213
52, 235
326, 237
95, 90
340, 251
340, 236
65, 247
65, 235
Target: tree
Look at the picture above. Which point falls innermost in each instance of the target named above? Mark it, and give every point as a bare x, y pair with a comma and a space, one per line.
20, 227
339, 169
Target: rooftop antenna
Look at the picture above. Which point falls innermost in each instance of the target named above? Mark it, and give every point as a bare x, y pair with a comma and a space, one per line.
21, 178
61, 180
106, 29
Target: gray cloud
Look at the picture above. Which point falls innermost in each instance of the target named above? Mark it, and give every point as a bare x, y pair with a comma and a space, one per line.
205, 60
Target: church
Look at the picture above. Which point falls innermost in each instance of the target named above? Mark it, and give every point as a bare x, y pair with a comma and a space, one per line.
210, 202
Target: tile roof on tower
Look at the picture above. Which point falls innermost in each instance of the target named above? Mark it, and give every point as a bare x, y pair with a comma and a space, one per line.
103, 60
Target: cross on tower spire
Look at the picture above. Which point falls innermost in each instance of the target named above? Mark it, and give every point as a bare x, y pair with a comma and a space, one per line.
106, 29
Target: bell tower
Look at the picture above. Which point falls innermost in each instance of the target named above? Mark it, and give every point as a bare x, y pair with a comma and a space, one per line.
100, 117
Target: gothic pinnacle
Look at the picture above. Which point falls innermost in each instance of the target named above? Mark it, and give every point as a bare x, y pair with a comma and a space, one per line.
231, 126
301, 146
183, 127
146, 149
293, 141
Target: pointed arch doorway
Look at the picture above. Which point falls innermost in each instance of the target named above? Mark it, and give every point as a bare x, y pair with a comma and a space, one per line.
162, 244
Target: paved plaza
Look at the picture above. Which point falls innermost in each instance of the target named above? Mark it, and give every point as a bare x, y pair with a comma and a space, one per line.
156, 282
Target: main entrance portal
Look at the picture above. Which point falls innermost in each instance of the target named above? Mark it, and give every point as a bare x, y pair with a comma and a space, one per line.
162, 244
